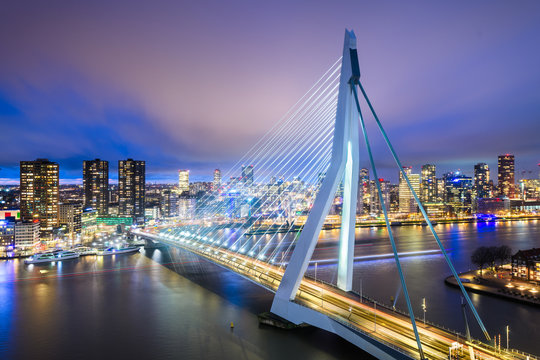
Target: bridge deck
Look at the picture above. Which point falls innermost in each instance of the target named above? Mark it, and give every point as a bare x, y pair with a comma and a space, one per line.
386, 327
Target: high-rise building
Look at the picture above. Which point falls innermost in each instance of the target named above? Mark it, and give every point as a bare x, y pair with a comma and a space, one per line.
364, 197
216, 184
247, 175
407, 203
458, 192
506, 176
39, 193
375, 201
481, 187
183, 182
428, 187
169, 203
131, 189
96, 185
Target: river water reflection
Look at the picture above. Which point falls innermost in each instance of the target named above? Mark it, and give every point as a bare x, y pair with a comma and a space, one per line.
168, 304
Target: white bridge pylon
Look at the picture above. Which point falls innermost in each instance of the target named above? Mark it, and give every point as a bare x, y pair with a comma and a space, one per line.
343, 165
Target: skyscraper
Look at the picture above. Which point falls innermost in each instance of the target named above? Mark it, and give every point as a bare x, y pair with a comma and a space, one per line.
458, 192
96, 185
131, 189
481, 187
428, 187
216, 184
247, 175
39, 193
183, 182
364, 197
375, 201
506, 176
407, 203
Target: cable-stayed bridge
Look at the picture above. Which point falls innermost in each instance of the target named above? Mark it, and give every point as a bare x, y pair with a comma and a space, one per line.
266, 231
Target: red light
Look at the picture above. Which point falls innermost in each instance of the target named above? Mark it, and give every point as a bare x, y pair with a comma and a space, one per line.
381, 179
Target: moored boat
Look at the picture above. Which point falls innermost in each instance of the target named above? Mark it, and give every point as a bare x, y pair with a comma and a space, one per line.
122, 250
51, 257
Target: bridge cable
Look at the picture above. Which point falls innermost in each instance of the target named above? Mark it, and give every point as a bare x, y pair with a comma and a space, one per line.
439, 243
388, 227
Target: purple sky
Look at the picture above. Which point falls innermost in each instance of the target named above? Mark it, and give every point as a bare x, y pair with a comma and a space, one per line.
193, 84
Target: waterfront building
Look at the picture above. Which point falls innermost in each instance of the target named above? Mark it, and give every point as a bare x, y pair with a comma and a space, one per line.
428, 188
69, 216
247, 175
27, 234
183, 182
96, 185
494, 206
216, 184
131, 189
407, 203
481, 188
529, 189
7, 233
39, 181
458, 193
506, 176
526, 265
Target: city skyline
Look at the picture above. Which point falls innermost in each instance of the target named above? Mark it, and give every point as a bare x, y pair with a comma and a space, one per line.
102, 109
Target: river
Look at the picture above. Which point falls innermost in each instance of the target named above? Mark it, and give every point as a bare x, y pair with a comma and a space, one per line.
168, 304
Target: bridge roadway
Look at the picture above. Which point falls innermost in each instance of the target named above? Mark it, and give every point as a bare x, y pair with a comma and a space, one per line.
387, 327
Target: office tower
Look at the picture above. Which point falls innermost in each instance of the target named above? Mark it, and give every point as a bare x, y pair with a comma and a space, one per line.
216, 184
481, 187
247, 175
364, 198
506, 176
169, 203
131, 189
458, 192
96, 185
428, 186
375, 202
39, 193
183, 182
407, 203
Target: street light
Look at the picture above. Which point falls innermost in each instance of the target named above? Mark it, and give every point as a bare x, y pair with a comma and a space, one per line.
424, 308
507, 337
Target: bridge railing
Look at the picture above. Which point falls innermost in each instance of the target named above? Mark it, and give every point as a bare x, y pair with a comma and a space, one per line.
353, 327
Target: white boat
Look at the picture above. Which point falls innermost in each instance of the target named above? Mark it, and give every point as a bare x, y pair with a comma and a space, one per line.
123, 250
51, 257
84, 250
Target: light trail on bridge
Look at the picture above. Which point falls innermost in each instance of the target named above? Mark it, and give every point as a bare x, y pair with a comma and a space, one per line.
386, 326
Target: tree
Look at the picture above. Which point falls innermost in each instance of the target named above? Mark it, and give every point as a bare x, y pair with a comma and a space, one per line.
503, 254
481, 257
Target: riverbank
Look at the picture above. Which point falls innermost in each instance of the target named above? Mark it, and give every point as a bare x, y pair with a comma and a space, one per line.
498, 284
